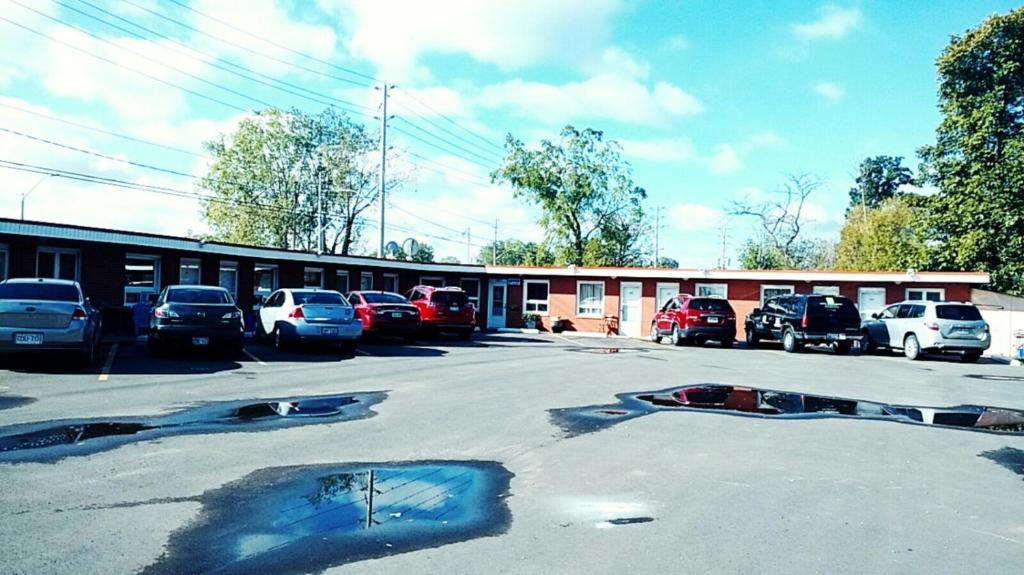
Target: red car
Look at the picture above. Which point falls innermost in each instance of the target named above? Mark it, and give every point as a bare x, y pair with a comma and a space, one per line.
386, 313
444, 309
686, 318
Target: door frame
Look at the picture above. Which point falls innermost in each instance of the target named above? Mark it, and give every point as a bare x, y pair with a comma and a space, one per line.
488, 318
622, 301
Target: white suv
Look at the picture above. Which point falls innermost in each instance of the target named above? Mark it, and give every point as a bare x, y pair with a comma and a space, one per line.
917, 327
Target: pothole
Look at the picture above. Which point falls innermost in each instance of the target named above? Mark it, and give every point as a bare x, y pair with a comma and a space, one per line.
780, 404
13, 401
306, 519
53, 440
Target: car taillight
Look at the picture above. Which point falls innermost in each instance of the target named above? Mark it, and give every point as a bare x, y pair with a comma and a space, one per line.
163, 312
297, 313
79, 313
803, 320
232, 315
931, 326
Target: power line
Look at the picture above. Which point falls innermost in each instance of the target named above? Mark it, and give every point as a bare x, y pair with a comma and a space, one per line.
443, 129
453, 122
465, 175
448, 143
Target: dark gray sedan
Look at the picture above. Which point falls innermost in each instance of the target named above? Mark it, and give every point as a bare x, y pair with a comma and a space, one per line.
42, 315
195, 316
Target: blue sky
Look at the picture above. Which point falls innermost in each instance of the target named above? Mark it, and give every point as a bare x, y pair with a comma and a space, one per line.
712, 101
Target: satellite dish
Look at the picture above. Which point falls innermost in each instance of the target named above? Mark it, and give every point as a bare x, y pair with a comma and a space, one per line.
410, 246
391, 249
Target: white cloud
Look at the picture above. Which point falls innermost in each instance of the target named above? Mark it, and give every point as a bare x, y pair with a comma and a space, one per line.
762, 140
618, 62
725, 160
675, 43
832, 23
659, 150
8, 74
395, 34
689, 217
830, 91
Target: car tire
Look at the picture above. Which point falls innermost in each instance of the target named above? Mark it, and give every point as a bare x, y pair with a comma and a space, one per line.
677, 338
466, 335
154, 346
87, 355
261, 334
867, 345
236, 347
349, 346
970, 357
841, 348
751, 336
409, 340
280, 343
727, 343
911, 347
655, 336
789, 342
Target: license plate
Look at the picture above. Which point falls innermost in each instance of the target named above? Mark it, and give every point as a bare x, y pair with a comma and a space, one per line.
329, 331
396, 314
714, 319
200, 341
28, 338
962, 329
840, 336
454, 308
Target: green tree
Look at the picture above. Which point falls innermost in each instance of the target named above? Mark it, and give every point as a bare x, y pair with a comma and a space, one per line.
514, 252
879, 178
580, 183
621, 242
425, 254
270, 177
664, 262
891, 237
977, 161
804, 254
449, 260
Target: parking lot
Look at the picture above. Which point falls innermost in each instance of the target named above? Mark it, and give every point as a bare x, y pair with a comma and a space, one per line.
692, 491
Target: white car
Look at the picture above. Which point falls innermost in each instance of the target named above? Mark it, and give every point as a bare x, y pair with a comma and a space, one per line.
308, 315
918, 327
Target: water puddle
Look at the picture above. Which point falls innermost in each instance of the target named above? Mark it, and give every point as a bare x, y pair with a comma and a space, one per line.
13, 401
779, 404
605, 350
989, 377
1008, 457
49, 441
306, 519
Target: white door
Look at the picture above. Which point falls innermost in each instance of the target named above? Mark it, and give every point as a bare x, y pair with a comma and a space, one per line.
870, 300
666, 291
496, 304
630, 309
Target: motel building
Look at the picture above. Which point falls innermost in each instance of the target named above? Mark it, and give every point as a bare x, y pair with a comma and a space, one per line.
119, 269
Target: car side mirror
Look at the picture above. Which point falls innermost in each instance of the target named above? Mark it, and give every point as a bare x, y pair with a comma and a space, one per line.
874, 315
756, 310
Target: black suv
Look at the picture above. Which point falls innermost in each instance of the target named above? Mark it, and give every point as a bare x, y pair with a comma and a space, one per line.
796, 320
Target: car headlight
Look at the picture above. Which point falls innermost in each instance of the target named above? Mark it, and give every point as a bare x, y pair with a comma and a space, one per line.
232, 315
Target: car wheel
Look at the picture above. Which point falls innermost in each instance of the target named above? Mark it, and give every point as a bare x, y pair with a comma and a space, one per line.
751, 336
789, 342
841, 348
261, 334
677, 338
466, 335
87, 355
348, 346
911, 347
655, 336
867, 345
970, 357
280, 343
409, 339
727, 343
237, 346
155, 347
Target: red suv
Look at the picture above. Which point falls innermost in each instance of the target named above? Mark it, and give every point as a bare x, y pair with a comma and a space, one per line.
444, 309
686, 319
386, 313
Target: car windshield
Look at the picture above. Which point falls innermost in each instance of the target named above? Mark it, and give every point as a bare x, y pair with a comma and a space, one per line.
318, 297
383, 297
958, 312
831, 305
449, 297
710, 304
39, 292
200, 296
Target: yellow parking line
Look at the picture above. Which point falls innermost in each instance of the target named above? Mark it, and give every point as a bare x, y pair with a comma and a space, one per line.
253, 357
105, 373
572, 341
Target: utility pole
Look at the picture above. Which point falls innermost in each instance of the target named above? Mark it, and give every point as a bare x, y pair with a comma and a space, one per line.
319, 214
467, 245
722, 264
657, 235
383, 162
494, 246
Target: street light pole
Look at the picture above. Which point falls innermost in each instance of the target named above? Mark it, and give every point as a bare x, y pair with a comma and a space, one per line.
32, 189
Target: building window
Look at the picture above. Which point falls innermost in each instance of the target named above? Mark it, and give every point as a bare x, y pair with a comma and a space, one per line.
141, 278
390, 282
926, 294
712, 290
313, 278
826, 290
189, 272
666, 291
366, 281
264, 279
341, 281
590, 299
228, 278
770, 291
535, 296
472, 288
4, 258
57, 264
436, 281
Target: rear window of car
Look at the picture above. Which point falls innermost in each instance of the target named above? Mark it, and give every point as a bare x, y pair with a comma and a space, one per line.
384, 298
831, 305
208, 296
39, 291
958, 312
318, 297
710, 304
449, 297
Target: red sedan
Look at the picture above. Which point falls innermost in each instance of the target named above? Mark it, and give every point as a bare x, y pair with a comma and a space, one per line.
386, 313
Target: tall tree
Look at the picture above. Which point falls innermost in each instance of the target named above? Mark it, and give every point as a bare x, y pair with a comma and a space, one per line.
666, 262
891, 237
514, 252
270, 177
424, 253
621, 242
879, 178
580, 183
977, 161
